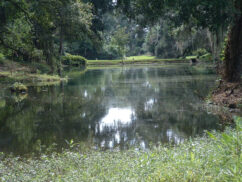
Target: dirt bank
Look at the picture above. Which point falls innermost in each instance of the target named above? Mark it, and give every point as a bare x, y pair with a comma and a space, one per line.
228, 94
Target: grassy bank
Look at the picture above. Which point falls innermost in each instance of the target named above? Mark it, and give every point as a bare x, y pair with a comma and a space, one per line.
29, 74
29, 79
214, 158
146, 60
131, 60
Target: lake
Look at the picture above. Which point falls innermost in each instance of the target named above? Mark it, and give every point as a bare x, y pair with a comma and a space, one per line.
110, 108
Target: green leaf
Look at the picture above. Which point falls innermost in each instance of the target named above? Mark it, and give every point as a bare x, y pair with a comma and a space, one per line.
211, 135
192, 156
228, 139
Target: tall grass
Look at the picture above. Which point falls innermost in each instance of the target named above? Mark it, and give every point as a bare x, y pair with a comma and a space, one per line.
216, 157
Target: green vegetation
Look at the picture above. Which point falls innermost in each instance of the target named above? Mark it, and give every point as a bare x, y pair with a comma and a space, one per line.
131, 61
208, 19
146, 60
2, 58
29, 78
39, 39
39, 32
30, 74
134, 60
120, 40
2, 103
205, 57
143, 57
40, 68
217, 158
73, 60
19, 87
200, 52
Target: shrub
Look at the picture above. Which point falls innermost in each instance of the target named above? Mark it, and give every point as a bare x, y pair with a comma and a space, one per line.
74, 60
207, 57
200, 52
19, 87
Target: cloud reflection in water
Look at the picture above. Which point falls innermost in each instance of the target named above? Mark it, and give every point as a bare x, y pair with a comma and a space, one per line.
116, 117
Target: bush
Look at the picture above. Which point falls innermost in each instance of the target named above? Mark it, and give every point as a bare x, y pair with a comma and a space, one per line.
74, 60
207, 57
200, 52
19, 87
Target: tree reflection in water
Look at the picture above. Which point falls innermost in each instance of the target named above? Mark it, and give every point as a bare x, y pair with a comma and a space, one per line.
107, 108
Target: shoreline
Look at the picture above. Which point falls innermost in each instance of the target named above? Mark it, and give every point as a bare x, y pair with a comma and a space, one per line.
29, 79
134, 62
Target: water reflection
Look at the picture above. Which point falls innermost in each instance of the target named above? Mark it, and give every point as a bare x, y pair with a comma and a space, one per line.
116, 117
110, 108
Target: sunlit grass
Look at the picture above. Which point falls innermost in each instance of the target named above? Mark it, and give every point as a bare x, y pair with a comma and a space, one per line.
143, 57
133, 60
191, 57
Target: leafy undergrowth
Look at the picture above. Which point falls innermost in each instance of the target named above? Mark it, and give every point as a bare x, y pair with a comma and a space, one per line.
214, 158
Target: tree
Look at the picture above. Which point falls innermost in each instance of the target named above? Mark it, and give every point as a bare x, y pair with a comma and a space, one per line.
15, 29
71, 19
233, 51
121, 39
33, 29
59, 21
214, 14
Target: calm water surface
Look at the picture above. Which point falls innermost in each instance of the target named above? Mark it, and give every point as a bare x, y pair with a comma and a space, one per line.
109, 108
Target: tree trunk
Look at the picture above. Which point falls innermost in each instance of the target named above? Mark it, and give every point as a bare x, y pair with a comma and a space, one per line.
233, 52
61, 49
210, 39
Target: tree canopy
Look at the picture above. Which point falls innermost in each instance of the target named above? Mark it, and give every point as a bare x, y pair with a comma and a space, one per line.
32, 30
44, 30
212, 14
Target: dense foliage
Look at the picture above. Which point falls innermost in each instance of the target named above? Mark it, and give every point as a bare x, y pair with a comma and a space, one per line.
36, 31
73, 60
